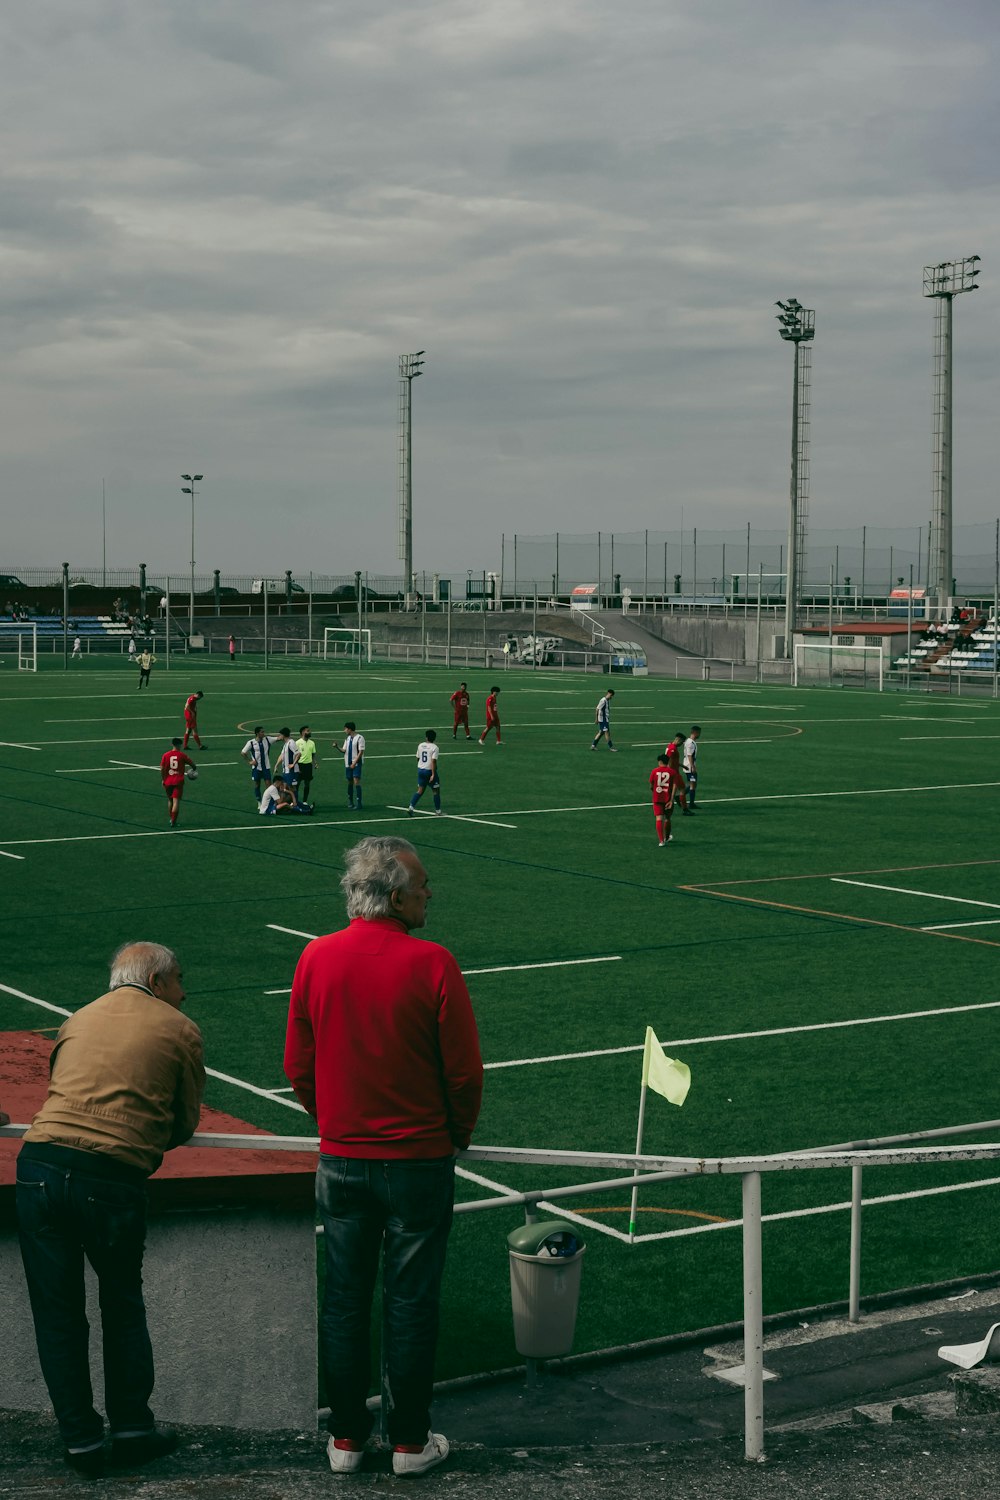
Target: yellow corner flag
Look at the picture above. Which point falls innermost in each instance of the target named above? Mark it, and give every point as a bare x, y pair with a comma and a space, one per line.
663, 1074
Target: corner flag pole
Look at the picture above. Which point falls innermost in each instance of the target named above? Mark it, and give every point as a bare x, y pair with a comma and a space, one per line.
665, 1076
638, 1135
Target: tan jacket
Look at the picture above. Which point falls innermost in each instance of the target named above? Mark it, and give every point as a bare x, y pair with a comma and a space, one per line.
126, 1079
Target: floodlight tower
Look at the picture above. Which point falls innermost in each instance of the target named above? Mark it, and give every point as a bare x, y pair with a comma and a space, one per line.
409, 369
944, 282
797, 325
192, 480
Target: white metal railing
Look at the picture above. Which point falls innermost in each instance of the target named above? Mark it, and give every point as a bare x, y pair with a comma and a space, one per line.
645, 1170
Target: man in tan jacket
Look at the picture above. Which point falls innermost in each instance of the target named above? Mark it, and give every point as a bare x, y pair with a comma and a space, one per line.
125, 1085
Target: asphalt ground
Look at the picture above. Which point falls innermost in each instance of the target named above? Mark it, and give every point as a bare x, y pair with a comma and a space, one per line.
853, 1410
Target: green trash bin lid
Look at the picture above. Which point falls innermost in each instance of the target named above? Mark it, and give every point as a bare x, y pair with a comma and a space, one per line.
554, 1234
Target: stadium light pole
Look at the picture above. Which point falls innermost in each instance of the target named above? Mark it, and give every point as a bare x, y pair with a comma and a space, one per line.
944, 282
192, 480
409, 369
797, 325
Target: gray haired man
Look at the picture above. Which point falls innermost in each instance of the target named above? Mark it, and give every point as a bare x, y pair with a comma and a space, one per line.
382, 1051
125, 1085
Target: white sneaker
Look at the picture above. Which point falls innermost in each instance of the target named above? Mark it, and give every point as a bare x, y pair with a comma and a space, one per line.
344, 1460
434, 1452
437, 812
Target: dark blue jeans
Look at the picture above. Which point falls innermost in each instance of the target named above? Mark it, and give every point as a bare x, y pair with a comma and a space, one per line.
403, 1210
64, 1215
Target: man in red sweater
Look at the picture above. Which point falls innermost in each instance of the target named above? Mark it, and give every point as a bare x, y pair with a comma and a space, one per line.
382, 1050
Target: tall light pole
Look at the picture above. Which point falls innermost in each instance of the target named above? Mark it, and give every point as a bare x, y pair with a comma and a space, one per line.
797, 325
192, 480
409, 369
944, 282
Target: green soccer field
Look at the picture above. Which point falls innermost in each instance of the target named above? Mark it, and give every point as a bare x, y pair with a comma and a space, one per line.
819, 944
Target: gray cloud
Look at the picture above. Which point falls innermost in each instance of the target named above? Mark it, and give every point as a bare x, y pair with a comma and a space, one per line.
220, 226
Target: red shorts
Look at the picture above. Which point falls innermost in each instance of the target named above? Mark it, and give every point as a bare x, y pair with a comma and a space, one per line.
661, 808
492, 721
174, 787
191, 720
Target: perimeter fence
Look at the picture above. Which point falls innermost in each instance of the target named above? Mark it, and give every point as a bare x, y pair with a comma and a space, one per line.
866, 561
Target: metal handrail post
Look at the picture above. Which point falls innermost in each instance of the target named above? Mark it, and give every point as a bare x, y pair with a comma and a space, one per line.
854, 1292
753, 1321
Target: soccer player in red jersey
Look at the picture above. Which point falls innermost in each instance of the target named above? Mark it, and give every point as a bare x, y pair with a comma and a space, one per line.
663, 782
492, 716
460, 702
173, 766
191, 719
673, 753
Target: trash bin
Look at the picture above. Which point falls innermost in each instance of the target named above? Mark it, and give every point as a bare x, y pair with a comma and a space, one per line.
546, 1260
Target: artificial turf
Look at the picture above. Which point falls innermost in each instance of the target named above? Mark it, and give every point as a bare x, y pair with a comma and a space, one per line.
547, 854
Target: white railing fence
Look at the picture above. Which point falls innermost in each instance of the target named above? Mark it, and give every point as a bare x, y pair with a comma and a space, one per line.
888, 1151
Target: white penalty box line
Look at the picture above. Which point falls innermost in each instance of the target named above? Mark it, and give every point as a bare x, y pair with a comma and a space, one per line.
902, 890
275, 1096
555, 963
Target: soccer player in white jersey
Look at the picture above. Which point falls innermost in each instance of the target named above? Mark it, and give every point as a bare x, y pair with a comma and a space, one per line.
354, 757
602, 718
257, 754
427, 773
288, 759
690, 764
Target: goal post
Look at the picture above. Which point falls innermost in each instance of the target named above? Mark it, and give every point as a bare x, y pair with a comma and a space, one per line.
27, 643
339, 641
837, 665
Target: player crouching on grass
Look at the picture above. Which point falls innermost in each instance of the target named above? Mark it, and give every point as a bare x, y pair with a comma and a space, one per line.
279, 798
174, 766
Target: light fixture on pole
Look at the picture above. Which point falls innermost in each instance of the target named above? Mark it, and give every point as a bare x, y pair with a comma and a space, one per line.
188, 489
944, 282
409, 369
797, 326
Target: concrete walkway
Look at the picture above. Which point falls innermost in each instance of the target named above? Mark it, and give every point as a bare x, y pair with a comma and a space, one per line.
867, 1410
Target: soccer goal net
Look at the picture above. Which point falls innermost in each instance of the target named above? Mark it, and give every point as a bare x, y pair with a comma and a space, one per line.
339, 641
837, 666
23, 637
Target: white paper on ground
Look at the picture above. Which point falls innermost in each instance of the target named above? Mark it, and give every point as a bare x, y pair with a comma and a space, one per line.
968, 1355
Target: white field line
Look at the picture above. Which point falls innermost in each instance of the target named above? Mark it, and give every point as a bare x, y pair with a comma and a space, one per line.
275, 1096
824, 1208
13, 745
742, 1036
902, 890
552, 963
33, 1000
121, 719
518, 812
174, 833
425, 812
11, 856
131, 765
292, 932
212, 1072
557, 963
945, 926
976, 737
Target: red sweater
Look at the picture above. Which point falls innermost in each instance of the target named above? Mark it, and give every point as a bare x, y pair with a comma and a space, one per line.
382, 1047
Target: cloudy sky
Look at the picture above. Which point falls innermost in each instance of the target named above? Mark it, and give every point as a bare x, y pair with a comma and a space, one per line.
222, 221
